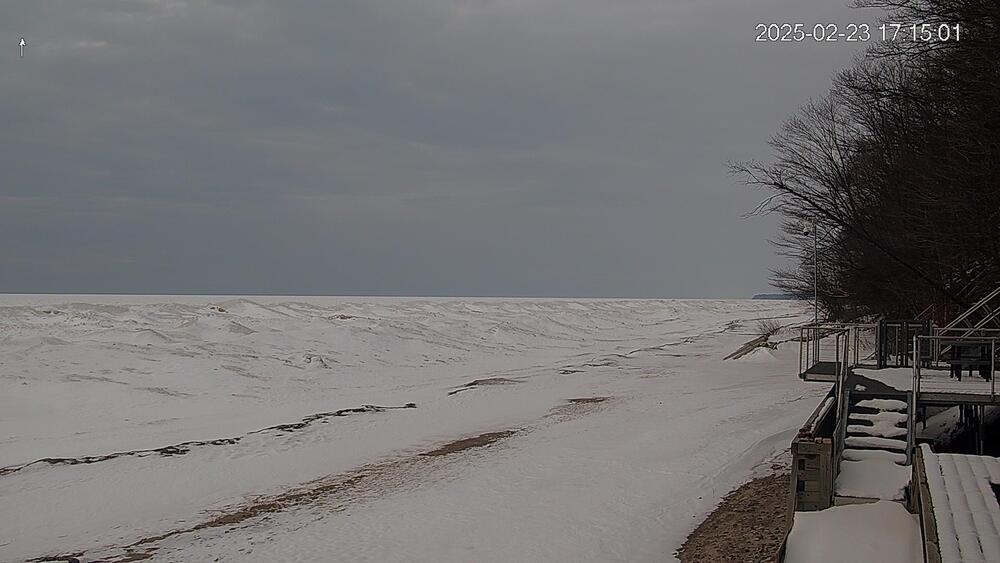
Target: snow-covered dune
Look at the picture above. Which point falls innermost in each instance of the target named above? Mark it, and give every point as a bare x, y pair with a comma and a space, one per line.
325, 429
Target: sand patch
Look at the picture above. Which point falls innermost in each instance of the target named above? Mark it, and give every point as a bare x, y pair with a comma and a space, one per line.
748, 525
468, 443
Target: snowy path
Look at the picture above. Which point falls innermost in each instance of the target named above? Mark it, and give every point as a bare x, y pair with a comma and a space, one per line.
285, 465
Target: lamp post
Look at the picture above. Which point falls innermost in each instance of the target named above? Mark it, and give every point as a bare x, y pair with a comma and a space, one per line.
815, 274
805, 233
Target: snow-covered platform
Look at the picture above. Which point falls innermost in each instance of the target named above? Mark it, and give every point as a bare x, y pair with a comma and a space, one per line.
961, 514
935, 386
882, 531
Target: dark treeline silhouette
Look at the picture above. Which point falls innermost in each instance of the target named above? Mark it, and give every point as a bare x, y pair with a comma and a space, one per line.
899, 165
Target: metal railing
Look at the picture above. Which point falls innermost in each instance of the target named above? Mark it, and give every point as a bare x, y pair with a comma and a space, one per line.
821, 347
911, 422
895, 343
926, 314
819, 343
991, 317
843, 404
940, 346
981, 304
948, 340
986, 310
955, 339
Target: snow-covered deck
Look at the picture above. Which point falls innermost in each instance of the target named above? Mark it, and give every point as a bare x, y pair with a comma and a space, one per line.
882, 531
965, 507
934, 383
940, 381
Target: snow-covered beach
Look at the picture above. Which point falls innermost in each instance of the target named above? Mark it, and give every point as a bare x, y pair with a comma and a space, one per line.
380, 429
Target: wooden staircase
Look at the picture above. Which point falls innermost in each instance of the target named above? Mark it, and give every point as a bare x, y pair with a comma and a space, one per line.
873, 463
876, 428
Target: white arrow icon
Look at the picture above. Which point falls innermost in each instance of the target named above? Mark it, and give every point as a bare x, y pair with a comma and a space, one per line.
22, 44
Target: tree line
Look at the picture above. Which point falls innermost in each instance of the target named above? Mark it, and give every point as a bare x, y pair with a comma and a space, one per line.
899, 168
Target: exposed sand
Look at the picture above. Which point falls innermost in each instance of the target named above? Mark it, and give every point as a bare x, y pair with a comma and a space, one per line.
748, 525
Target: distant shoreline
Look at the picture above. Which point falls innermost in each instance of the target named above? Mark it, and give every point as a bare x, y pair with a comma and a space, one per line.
209, 297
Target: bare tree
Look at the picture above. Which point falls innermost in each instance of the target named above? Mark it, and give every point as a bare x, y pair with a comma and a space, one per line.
900, 166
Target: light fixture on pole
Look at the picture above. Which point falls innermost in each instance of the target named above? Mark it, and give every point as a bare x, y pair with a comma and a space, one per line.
805, 233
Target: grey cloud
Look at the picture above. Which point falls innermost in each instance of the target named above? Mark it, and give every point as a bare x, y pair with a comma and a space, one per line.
508, 147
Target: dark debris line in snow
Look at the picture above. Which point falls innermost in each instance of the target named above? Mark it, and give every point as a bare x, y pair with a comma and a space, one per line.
340, 490
185, 447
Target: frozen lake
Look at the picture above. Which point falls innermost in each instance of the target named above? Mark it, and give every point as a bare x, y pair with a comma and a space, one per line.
299, 428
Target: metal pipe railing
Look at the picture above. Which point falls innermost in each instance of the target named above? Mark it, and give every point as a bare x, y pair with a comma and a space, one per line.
989, 338
801, 337
978, 305
843, 404
957, 333
846, 337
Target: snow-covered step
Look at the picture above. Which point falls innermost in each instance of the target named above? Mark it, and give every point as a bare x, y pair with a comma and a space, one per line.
884, 416
883, 404
872, 478
883, 430
875, 442
861, 455
873, 462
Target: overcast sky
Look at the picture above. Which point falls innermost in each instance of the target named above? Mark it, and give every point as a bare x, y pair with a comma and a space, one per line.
403, 147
